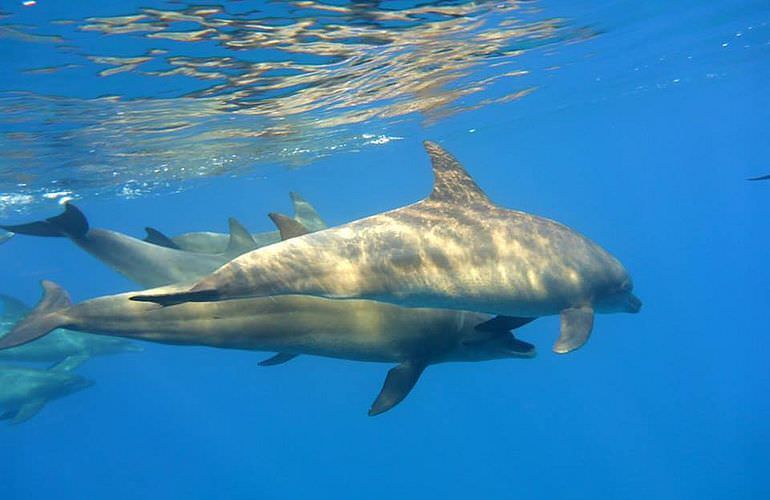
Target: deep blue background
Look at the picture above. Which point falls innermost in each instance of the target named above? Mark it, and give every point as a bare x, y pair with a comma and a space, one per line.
670, 403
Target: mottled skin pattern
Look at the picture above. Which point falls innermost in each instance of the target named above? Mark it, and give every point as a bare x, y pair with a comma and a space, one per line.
455, 249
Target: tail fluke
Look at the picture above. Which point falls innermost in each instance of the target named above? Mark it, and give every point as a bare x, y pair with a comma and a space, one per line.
71, 223
42, 320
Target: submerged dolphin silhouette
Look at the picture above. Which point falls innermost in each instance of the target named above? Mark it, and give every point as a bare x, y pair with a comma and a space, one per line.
455, 249
25, 391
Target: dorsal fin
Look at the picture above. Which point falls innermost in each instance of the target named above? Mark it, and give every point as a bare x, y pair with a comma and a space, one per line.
241, 240
305, 213
451, 183
157, 238
288, 227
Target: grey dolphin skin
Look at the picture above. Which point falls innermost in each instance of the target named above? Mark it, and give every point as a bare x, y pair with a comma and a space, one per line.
25, 391
291, 325
455, 249
145, 263
60, 344
210, 242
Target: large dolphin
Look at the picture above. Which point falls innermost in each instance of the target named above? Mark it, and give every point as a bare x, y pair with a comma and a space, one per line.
145, 263
455, 249
211, 242
25, 391
291, 325
60, 344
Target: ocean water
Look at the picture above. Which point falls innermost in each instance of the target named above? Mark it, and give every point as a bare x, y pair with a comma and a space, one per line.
636, 124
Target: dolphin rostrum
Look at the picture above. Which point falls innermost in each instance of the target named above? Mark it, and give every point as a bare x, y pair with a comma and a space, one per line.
455, 249
60, 344
25, 391
291, 325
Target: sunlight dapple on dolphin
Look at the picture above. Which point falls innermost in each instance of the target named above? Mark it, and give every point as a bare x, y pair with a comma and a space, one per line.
455, 249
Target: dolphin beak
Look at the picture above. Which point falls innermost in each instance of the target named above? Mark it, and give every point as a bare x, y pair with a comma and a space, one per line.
633, 304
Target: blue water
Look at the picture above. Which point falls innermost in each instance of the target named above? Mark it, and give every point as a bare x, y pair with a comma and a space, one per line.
642, 140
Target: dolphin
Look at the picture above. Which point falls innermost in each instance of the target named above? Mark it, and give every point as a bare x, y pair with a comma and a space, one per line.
5, 237
60, 344
455, 249
25, 391
145, 263
160, 260
210, 242
760, 178
291, 325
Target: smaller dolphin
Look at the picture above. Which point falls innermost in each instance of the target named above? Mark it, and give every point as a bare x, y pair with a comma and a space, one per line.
161, 260
25, 391
358, 330
5, 237
760, 178
145, 263
210, 242
60, 344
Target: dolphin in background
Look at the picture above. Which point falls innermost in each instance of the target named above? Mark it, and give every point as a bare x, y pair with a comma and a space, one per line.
25, 391
5, 237
291, 325
455, 249
60, 344
145, 263
210, 242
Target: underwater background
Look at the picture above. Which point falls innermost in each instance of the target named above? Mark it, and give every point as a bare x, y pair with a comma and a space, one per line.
636, 124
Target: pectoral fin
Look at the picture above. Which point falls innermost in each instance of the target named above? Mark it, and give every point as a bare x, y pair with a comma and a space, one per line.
576, 326
278, 359
27, 411
398, 383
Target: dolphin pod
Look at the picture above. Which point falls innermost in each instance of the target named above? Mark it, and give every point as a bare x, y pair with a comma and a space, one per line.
445, 279
455, 249
359, 330
161, 260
